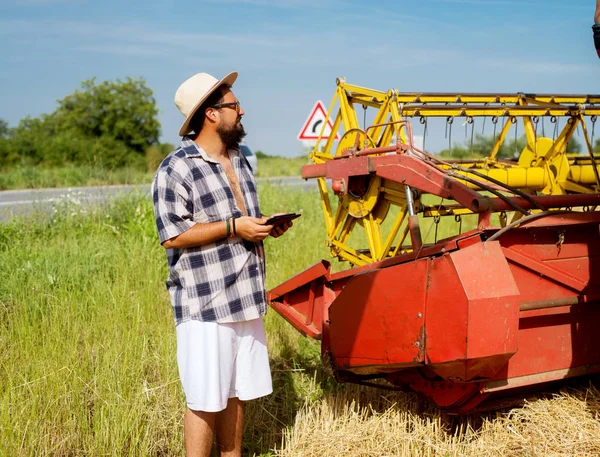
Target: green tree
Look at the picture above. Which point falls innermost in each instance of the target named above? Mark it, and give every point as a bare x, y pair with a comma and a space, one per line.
106, 125
4, 130
122, 110
4, 143
156, 154
482, 146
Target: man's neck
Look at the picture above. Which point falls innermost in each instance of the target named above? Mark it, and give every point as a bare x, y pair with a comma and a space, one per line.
212, 145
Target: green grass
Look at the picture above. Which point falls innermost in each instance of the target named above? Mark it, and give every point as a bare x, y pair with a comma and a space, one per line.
29, 177
272, 167
69, 176
87, 347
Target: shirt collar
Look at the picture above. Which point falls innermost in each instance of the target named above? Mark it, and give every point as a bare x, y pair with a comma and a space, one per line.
191, 149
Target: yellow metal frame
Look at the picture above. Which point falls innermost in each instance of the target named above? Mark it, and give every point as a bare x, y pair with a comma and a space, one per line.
544, 166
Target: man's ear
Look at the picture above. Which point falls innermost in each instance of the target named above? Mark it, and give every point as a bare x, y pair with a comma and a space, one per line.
211, 114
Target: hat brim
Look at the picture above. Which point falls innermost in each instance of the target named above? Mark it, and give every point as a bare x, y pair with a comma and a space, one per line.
228, 80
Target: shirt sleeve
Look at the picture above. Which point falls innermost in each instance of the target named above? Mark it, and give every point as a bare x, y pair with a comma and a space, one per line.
173, 205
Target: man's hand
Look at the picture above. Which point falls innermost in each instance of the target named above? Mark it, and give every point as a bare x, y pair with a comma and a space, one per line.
252, 228
279, 229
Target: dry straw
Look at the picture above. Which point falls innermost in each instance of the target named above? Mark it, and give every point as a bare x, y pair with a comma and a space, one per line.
363, 422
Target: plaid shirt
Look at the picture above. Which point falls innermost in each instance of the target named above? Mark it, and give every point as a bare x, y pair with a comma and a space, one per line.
221, 281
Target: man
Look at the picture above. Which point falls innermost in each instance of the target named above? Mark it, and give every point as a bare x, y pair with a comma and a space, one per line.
209, 220
596, 27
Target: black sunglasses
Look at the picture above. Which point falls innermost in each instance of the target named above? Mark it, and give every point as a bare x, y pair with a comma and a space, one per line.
233, 105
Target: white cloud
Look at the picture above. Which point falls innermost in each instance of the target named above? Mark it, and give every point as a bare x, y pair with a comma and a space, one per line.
136, 38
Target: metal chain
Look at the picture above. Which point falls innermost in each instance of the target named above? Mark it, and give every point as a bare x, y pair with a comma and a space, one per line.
436, 221
555, 122
535, 120
471, 121
484, 118
458, 219
429, 229
423, 120
449, 121
513, 120
502, 218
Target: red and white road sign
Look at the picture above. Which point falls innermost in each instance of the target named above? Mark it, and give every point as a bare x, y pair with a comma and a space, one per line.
314, 124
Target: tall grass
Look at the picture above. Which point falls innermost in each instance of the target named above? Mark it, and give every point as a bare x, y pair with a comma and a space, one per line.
29, 177
88, 367
87, 355
273, 166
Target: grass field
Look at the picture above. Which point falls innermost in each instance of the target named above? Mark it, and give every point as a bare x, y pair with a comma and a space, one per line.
87, 358
69, 176
75, 176
280, 166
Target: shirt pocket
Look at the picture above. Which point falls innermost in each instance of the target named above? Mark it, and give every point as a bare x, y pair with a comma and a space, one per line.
214, 205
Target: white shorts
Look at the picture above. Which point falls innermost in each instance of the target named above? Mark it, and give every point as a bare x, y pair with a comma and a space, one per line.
221, 361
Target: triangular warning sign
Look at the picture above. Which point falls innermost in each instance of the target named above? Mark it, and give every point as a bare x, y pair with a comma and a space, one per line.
314, 124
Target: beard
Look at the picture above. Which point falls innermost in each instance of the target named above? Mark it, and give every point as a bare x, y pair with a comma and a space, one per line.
231, 136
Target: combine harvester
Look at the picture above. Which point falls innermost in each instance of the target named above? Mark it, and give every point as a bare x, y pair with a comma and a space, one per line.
484, 313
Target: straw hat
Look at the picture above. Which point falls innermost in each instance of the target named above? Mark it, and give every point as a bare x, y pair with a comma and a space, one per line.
193, 92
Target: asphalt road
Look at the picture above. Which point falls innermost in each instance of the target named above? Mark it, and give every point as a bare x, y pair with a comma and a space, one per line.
44, 201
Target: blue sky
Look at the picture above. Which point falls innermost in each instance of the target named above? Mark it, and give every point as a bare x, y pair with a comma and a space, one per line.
289, 52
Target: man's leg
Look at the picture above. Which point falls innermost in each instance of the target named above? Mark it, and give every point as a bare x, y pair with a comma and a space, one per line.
229, 427
198, 432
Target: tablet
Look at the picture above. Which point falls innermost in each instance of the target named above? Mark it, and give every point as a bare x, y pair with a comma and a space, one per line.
281, 218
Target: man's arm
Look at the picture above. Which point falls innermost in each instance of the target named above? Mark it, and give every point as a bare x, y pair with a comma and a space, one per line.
249, 228
597, 15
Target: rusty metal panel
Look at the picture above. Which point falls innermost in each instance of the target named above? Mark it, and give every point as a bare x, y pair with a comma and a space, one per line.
556, 342
573, 251
300, 299
446, 320
377, 321
493, 299
472, 313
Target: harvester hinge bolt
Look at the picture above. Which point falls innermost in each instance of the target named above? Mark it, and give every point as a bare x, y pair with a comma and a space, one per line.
338, 186
443, 250
417, 343
419, 315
